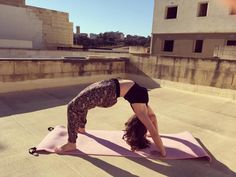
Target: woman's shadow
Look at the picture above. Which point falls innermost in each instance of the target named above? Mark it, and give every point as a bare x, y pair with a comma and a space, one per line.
174, 168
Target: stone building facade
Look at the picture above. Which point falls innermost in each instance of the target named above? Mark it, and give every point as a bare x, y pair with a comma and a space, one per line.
193, 28
13, 2
25, 26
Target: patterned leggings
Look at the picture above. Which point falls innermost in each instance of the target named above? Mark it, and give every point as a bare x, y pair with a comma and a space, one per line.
102, 94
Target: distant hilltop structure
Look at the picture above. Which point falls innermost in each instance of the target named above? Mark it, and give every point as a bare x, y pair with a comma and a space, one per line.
194, 28
30, 27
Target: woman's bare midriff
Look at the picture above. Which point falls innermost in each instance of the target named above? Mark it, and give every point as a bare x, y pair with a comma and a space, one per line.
125, 85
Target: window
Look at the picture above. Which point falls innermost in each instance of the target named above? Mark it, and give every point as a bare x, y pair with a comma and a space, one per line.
202, 9
231, 43
198, 46
233, 11
171, 12
168, 45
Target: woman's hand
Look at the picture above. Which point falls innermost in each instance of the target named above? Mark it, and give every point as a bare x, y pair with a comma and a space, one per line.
142, 113
163, 152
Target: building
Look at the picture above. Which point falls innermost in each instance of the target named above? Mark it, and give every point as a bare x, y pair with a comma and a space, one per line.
30, 27
193, 28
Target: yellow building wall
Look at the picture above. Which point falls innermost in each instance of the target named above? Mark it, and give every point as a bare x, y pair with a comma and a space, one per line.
47, 29
57, 30
184, 47
19, 24
214, 29
13, 2
218, 19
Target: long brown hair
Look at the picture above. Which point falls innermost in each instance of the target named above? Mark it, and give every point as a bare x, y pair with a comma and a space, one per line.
135, 134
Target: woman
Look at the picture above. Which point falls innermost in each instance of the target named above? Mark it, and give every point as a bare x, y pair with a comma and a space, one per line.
105, 94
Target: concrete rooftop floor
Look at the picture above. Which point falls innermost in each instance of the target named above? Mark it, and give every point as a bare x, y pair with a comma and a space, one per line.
25, 117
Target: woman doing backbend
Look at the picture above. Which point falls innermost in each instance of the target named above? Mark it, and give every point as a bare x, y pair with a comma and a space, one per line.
105, 94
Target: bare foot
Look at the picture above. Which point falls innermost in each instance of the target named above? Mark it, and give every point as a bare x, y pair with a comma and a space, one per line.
65, 148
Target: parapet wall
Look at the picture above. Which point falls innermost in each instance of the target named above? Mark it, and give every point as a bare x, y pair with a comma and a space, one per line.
208, 76
226, 52
212, 76
29, 53
25, 74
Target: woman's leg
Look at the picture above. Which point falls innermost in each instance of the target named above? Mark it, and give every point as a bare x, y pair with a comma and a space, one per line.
76, 119
99, 94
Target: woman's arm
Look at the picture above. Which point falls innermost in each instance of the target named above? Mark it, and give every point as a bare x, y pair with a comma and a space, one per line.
152, 116
142, 113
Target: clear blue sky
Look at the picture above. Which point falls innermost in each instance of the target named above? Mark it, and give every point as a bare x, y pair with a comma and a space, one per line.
98, 16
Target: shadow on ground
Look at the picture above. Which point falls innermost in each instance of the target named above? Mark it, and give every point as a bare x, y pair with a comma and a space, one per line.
215, 164
172, 168
2, 147
33, 100
140, 77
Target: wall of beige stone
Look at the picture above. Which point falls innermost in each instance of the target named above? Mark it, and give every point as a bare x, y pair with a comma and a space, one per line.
184, 44
18, 23
187, 20
47, 29
13, 2
29, 53
19, 75
23, 69
226, 52
210, 76
57, 30
206, 72
208, 28
138, 50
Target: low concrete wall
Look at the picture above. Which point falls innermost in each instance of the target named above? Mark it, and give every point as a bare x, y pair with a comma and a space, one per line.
24, 53
209, 76
138, 50
23, 74
225, 52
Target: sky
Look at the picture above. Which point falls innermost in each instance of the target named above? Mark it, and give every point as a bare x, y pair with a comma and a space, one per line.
132, 17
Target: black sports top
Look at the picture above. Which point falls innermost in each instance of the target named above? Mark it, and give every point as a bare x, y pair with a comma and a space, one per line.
137, 94
117, 87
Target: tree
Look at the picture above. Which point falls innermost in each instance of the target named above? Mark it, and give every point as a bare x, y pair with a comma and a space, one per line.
112, 39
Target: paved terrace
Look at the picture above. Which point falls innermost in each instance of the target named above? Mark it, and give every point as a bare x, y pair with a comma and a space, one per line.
25, 117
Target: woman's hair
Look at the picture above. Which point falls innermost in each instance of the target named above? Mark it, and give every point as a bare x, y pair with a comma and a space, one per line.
135, 134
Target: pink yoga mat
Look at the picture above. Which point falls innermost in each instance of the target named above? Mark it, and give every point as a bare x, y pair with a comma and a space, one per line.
110, 143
